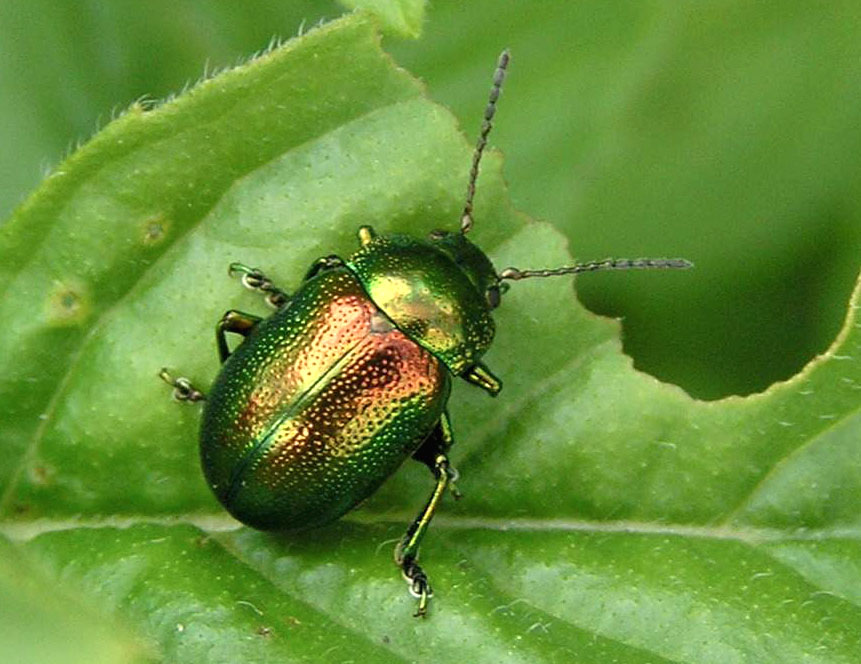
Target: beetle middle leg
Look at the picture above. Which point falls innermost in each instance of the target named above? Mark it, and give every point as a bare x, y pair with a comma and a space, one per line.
236, 322
322, 265
432, 453
254, 279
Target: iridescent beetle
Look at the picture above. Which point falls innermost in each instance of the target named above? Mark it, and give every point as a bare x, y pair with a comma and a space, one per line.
325, 399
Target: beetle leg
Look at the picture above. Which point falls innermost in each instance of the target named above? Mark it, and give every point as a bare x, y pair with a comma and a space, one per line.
183, 390
236, 322
254, 279
323, 264
366, 235
478, 374
433, 454
439, 442
406, 553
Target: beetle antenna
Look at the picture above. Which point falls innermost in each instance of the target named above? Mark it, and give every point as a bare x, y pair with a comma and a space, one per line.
514, 274
486, 126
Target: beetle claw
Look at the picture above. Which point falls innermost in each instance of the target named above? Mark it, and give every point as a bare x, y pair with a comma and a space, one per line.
183, 390
419, 586
453, 476
254, 279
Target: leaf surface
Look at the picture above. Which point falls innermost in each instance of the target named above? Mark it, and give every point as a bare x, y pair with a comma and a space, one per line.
403, 18
607, 517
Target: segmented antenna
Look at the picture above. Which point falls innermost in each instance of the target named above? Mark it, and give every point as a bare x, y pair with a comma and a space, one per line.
486, 126
514, 274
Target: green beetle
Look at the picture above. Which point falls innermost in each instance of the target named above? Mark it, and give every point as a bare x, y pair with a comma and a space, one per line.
327, 397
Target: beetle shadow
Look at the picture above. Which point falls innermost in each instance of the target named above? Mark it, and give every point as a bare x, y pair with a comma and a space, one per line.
338, 535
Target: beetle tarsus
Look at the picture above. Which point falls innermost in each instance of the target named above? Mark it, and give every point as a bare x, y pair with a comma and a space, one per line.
419, 585
183, 390
254, 279
453, 477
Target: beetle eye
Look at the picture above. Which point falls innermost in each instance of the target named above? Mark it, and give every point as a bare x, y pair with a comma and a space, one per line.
438, 234
493, 297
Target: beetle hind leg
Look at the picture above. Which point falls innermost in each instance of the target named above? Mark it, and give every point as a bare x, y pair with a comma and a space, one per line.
406, 553
439, 442
183, 390
433, 453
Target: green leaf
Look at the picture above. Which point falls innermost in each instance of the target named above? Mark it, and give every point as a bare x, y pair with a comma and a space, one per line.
67, 68
723, 131
403, 18
607, 517
40, 624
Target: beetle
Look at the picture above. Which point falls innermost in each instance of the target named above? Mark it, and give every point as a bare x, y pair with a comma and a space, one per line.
323, 400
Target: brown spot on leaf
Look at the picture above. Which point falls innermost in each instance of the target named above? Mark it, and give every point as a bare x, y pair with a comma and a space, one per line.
155, 229
41, 475
68, 304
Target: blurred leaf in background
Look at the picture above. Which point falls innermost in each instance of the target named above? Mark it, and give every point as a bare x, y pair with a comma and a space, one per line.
608, 517
723, 131
67, 68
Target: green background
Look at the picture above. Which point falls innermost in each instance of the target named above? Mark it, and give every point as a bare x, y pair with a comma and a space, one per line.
608, 517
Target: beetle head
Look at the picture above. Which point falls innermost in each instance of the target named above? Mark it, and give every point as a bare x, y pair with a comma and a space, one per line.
472, 261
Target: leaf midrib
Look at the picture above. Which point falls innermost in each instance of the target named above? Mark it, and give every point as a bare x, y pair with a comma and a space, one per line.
22, 531
339, 619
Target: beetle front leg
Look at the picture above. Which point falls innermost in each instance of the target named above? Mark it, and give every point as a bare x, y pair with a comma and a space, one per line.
183, 390
366, 235
478, 374
236, 322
